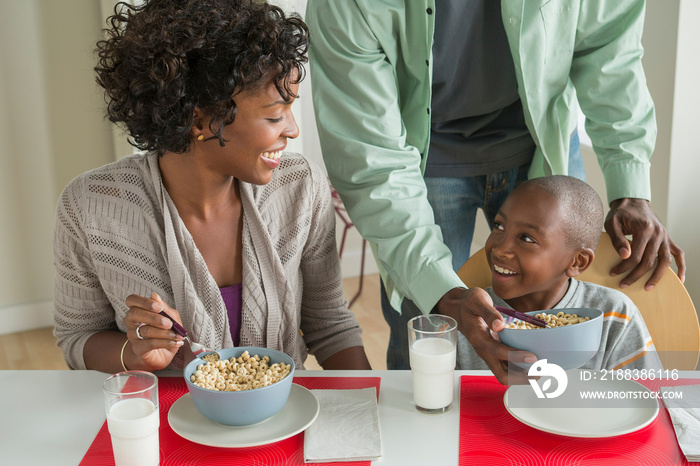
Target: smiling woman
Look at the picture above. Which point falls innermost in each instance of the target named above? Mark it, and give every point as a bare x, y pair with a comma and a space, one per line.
214, 225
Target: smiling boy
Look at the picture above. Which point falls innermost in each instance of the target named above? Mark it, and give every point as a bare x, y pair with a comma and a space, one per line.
544, 236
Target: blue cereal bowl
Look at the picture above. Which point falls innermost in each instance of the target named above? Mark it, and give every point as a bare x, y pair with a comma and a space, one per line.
246, 407
569, 347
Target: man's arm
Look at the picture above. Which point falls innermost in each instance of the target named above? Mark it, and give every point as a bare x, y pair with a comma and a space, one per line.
370, 161
611, 87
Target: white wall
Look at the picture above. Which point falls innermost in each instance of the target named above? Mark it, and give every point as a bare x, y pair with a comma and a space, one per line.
683, 208
672, 40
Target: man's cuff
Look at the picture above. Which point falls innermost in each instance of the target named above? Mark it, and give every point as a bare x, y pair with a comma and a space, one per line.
432, 283
628, 181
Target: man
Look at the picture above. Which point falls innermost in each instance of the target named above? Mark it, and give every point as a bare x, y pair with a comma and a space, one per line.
489, 91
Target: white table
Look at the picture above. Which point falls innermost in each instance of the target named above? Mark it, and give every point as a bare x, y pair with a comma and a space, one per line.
52, 417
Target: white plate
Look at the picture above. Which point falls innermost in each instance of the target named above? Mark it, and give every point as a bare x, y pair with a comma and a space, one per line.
629, 415
298, 413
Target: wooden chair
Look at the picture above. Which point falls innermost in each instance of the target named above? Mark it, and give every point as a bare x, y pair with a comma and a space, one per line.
667, 309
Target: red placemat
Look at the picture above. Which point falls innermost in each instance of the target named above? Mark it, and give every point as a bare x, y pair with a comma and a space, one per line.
175, 450
488, 434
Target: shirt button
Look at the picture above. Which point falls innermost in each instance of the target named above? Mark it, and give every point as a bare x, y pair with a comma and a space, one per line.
429, 11
428, 111
427, 63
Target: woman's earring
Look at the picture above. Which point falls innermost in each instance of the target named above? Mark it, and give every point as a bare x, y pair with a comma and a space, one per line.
200, 137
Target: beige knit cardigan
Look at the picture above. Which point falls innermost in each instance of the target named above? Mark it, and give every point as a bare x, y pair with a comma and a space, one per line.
117, 233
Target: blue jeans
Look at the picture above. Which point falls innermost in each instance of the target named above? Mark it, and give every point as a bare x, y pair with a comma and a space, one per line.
455, 202
576, 167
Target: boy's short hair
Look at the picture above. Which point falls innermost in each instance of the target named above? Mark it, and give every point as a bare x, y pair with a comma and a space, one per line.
581, 207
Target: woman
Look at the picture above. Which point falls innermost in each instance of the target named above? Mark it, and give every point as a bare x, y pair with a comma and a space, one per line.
214, 224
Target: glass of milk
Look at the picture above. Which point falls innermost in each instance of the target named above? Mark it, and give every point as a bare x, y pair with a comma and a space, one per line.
133, 419
432, 341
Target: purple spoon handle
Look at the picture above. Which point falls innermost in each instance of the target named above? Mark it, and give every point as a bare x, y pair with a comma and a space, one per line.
177, 328
197, 349
521, 316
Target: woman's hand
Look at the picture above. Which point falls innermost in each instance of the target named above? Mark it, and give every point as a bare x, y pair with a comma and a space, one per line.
158, 343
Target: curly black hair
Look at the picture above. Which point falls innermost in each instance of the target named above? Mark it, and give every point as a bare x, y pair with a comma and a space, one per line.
165, 58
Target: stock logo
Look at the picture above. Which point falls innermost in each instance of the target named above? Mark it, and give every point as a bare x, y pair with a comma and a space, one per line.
547, 372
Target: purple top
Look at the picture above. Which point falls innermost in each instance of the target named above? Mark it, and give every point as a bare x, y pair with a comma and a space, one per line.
234, 303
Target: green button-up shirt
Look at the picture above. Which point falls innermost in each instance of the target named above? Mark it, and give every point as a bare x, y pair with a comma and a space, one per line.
371, 68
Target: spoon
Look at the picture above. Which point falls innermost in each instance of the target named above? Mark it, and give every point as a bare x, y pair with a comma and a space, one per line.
198, 350
521, 316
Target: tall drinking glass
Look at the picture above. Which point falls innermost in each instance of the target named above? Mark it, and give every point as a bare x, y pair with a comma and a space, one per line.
432, 341
133, 419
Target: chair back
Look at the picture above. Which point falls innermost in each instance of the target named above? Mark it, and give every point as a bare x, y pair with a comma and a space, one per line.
667, 309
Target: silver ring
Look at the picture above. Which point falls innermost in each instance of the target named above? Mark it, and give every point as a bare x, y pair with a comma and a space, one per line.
138, 332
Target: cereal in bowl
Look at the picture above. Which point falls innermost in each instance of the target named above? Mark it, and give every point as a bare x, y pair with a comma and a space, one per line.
237, 374
559, 319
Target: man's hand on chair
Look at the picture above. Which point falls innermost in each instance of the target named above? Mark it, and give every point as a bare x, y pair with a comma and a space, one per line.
651, 246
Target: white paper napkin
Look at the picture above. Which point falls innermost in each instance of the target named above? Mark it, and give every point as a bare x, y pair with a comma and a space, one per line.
346, 429
685, 415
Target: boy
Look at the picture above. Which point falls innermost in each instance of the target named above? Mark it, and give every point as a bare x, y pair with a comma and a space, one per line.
544, 235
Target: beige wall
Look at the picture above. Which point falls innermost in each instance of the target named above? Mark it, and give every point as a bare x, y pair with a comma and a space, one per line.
26, 171
51, 128
80, 136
